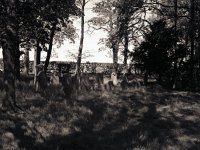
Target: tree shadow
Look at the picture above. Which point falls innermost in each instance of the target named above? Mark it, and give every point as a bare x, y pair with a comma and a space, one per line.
17, 131
116, 134
34, 102
129, 123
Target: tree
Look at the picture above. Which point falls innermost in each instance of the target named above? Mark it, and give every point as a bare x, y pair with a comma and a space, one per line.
192, 40
118, 19
10, 47
57, 13
185, 20
155, 53
107, 21
127, 21
82, 3
174, 76
49, 22
26, 23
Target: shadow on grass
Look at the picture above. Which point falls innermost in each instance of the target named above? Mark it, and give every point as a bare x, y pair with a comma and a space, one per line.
149, 132
15, 134
130, 124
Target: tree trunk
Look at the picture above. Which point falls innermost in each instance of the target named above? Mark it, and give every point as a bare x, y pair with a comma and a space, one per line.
198, 49
9, 74
146, 74
78, 64
126, 38
115, 49
37, 55
192, 35
192, 40
126, 50
174, 74
50, 47
17, 62
26, 62
10, 46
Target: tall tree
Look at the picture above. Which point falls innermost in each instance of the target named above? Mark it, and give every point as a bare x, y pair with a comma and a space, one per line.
82, 3
198, 42
107, 21
55, 13
118, 19
174, 76
192, 41
10, 47
126, 11
25, 22
153, 53
51, 37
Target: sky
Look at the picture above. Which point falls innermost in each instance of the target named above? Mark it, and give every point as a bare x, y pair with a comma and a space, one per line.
91, 46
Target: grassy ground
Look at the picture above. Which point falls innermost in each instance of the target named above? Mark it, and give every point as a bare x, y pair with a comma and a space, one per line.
131, 119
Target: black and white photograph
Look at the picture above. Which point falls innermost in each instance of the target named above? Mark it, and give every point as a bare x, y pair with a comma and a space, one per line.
99, 75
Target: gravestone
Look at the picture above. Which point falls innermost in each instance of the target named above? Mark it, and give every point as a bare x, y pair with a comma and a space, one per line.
114, 78
41, 79
54, 79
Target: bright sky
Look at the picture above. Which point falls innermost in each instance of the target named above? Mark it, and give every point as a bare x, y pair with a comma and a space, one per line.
90, 48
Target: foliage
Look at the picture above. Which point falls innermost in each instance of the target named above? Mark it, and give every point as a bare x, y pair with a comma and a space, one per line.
122, 20
106, 20
35, 20
66, 31
27, 23
156, 52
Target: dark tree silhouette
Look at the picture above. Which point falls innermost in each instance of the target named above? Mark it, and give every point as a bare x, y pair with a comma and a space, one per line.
154, 52
10, 45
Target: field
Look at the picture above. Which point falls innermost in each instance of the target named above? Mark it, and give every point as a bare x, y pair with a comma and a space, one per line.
144, 118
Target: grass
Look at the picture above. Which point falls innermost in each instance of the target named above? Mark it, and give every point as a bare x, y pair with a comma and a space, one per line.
131, 119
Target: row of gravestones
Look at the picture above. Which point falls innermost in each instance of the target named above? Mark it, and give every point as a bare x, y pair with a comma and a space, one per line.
85, 67
105, 68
